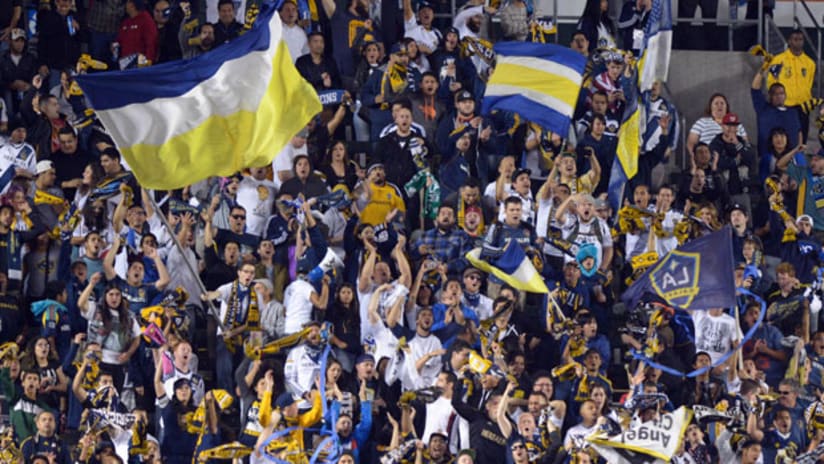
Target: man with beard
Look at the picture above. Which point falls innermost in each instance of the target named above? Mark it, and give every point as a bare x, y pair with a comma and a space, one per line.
377, 197
445, 243
585, 227
423, 361
303, 364
194, 46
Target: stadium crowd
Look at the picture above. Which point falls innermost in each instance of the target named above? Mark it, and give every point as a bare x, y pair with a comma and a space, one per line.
323, 308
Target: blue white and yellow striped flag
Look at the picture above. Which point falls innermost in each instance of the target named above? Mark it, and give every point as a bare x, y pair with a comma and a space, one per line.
625, 165
234, 107
538, 81
512, 266
657, 46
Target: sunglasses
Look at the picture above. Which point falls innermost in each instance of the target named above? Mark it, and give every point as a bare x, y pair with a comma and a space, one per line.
784, 392
473, 277
517, 447
239, 217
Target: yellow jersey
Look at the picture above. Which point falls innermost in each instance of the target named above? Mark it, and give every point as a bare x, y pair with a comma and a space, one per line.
384, 199
796, 74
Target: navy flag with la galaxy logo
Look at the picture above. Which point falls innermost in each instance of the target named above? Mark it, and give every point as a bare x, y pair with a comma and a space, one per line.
697, 275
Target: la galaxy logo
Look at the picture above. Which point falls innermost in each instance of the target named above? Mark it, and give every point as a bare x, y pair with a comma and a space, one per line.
675, 279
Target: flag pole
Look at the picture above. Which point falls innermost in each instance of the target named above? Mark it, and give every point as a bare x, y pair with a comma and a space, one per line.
211, 307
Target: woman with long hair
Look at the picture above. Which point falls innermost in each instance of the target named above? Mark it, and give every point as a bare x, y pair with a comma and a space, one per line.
338, 168
416, 58
42, 357
344, 314
112, 325
708, 126
596, 25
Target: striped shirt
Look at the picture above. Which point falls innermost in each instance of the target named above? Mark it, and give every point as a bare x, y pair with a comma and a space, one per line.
706, 128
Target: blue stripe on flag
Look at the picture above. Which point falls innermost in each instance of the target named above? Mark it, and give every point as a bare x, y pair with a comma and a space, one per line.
529, 110
120, 88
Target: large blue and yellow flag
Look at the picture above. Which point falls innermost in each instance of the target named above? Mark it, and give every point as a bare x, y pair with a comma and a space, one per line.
625, 165
538, 81
698, 275
509, 264
657, 45
234, 107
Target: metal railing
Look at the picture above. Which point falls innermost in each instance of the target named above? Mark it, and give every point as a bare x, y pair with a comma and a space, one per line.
733, 22
774, 41
816, 46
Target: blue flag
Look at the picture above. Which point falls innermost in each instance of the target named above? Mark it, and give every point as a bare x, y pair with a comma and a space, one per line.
698, 275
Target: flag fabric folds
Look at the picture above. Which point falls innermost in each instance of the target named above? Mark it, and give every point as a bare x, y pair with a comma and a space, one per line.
658, 438
234, 107
538, 81
625, 165
704, 265
512, 266
655, 56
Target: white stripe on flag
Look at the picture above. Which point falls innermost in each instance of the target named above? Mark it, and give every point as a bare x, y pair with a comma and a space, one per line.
656, 60
503, 90
545, 66
231, 89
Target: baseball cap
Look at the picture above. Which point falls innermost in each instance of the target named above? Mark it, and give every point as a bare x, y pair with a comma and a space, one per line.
18, 33
364, 358
730, 119
472, 270
398, 48
464, 95
425, 4
453, 30
43, 166
285, 400
520, 171
806, 217
739, 207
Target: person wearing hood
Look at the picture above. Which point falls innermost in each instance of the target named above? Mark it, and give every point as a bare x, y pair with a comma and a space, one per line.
53, 317
138, 32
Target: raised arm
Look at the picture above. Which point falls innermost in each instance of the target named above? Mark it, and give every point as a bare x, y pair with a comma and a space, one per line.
83, 300
108, 261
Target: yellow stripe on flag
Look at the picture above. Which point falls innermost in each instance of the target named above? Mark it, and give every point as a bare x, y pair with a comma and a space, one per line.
525, 278
629, 144
223, 145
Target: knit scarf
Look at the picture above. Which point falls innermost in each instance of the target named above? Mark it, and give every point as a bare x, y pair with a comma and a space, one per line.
43, 198
235, 316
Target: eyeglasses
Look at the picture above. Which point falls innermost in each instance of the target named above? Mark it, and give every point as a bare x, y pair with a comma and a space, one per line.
784, 392
473, 277
239, 217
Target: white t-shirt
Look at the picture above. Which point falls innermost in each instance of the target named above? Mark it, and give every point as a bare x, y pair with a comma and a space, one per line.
298, 302
418, 348
544, 219
527, 205
430, 38
586, 234
714, 334
296, 41
576, 436
257, 197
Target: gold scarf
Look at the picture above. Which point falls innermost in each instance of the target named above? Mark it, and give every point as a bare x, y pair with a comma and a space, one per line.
235, 307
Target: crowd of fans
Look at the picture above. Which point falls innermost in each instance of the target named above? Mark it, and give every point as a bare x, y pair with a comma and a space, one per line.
322, 309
